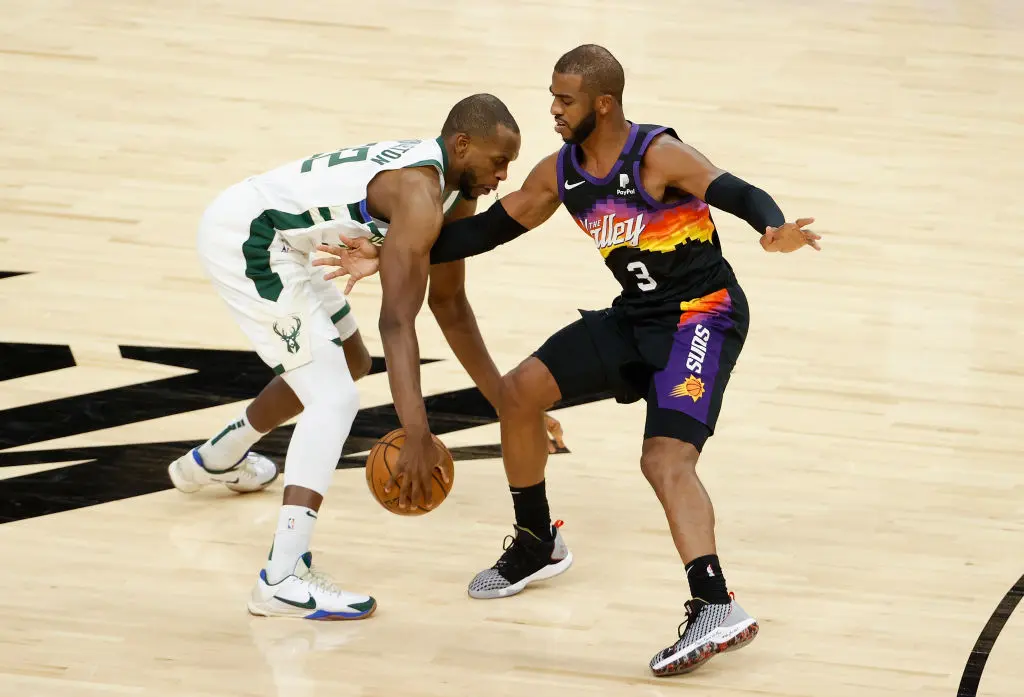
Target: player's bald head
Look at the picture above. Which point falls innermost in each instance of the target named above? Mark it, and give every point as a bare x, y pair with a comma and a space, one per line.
601, 72
478, 115
481, 138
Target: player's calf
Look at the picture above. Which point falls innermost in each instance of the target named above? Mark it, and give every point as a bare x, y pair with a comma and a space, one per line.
714, 622
670, 466
357, 356
226, 458
526, 392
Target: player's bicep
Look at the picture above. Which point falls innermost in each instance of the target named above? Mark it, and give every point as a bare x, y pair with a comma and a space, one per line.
537, 199
683, 166
405, 253
415, 214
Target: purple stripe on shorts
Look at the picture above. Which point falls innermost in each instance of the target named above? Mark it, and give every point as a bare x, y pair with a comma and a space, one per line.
687, 381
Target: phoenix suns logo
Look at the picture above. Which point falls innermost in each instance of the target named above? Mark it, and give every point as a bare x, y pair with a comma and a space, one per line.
692, 387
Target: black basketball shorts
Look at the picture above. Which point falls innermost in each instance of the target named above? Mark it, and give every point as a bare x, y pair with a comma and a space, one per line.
679, 360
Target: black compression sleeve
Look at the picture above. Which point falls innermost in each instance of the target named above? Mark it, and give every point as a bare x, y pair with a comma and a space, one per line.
475, 235
733, 195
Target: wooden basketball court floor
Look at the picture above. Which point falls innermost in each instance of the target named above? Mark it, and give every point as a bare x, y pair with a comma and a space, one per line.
867, 467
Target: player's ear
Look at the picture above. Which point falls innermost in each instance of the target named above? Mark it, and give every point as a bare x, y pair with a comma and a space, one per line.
604, 104
461, 144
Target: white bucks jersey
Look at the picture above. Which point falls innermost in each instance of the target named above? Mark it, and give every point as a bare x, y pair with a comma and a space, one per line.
312, 201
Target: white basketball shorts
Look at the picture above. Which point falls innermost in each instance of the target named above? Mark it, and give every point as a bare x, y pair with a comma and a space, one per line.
281, 302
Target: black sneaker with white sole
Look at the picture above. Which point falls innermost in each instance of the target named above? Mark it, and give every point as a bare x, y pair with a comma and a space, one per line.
527, 558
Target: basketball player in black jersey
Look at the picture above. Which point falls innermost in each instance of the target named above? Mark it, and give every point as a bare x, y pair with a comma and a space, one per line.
671, 337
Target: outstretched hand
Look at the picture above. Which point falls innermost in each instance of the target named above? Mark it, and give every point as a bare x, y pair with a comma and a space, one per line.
357, 259
554, 429
790, 237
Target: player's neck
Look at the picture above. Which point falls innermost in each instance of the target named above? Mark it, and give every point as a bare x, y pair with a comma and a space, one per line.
602, 148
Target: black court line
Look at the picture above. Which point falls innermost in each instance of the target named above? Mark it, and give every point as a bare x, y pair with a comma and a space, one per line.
971, 679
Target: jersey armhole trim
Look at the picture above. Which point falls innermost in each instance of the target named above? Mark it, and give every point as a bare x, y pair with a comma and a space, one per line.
429, 163
426, 163
455, 201
651, 135
444, 154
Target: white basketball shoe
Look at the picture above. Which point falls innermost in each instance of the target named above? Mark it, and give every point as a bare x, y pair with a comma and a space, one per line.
252, 473
308, 594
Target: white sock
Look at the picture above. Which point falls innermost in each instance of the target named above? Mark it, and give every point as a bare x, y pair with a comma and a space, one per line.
291, 541
228, 447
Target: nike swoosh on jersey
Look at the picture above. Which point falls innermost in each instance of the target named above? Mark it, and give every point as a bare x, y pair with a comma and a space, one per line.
573, 186
310, 604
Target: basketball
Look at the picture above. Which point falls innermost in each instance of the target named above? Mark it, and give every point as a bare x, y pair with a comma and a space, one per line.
384, 456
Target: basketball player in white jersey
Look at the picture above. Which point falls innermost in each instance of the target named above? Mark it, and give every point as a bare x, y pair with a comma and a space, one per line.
256, 241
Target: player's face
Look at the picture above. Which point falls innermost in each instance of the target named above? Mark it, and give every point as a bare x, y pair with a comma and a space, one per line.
572, 107
486, 161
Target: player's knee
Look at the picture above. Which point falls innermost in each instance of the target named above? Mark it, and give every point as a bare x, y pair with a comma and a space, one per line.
529, 387
325, 384
517, 395
344, 399
338, 391
666, 462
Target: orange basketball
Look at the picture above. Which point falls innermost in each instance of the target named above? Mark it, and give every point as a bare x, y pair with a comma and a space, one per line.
384, 456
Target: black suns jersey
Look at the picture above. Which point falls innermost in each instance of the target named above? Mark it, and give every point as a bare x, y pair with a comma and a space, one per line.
660, 253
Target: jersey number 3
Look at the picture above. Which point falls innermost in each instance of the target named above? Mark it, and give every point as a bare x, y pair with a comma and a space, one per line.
643, 277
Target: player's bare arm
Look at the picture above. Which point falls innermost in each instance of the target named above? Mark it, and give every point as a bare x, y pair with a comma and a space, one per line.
449, 302
537, 199
670, 163
450, 306
463, 236
506, 219
411, 199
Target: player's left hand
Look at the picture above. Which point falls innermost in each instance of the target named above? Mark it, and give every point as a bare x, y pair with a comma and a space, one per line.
554, 429
790, 237
357, 259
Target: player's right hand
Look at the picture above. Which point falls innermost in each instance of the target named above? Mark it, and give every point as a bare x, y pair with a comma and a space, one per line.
414, 472
554, 429
357, 259
790, 237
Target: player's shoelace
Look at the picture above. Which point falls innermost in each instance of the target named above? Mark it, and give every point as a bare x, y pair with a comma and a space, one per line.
691, 615
521, 555
701, 619
321, 581
245, 470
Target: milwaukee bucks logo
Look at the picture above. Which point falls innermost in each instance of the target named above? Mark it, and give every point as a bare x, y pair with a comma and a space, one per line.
291, 336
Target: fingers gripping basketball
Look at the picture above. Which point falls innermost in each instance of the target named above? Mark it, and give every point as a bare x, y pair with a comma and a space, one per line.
380, 464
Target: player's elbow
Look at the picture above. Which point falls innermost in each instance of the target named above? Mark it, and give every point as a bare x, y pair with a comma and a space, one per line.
394, 320
449, 309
